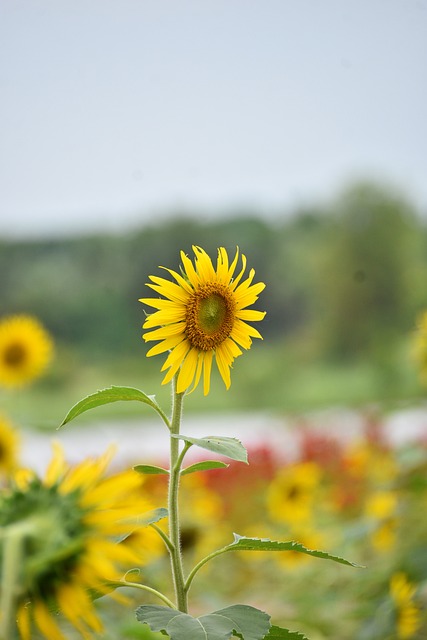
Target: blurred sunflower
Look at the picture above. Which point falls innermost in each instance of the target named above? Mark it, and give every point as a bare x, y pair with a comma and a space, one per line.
408, 615
9, 444
26, 349
72, 519
291, 494
310, 538
204, 313
381, 507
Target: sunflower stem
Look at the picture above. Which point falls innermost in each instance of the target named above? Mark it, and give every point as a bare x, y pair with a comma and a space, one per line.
12, 552
143, 587
173, 504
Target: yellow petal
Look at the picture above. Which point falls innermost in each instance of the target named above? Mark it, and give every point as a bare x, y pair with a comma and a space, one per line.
251, 315
57, 465
207, 367
237, 279
198, 373
23, 621
165, 332
204, 266
223, 362
175, 360
46, 623
188, 370
165, 316
158, 303
165, 345
189, 270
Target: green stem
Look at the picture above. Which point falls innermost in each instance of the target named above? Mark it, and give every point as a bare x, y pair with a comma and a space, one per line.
173, 507
12, 552
163, 536
143, 587
200, 564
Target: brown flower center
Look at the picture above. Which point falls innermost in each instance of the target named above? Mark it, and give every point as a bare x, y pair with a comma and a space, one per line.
14, 355
210, 316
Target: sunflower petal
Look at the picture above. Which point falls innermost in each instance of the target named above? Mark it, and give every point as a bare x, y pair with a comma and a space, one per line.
46, 623
23, 622
207, 367
224, 363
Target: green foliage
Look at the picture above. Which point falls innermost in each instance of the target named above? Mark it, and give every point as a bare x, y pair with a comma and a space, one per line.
223, 445
242, 620
363, 290
277, 633
112, 394
242, 543
150, 470
206, 465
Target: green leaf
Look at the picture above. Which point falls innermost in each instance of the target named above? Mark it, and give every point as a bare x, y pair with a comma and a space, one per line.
112, 394
242, 543
277, 633
156, 515
229, 447
147, 518
241, 620
206, 465
150, 469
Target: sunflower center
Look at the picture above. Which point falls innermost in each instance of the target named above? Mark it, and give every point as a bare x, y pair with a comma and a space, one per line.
210, 316
53, 548
14, 355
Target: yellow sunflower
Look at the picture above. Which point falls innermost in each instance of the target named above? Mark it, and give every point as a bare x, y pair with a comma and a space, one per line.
408, 614
204, 312
26, 349
9, 443
291, 496
69, 524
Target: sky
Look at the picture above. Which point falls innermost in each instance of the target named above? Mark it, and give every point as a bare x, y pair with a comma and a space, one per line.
114, 113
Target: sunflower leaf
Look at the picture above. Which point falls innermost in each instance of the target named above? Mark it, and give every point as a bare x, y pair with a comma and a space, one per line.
150, 469
146, 519
228, 447
241, 620
109, 395
242, 543
206, 465
277, 633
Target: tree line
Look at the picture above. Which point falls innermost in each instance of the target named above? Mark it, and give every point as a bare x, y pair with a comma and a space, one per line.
343, 279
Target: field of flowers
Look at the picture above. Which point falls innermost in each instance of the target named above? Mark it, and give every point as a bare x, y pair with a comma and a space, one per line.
363, 499
328, 537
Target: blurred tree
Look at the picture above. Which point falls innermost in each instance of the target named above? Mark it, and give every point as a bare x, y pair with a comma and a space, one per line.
363, 297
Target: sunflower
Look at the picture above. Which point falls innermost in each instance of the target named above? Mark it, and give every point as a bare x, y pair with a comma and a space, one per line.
71, 520
204, 312
408, 614
291, 496
26, 349
9, 442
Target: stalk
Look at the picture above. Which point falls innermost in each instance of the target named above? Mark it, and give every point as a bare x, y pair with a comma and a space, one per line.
12, 556
173, 504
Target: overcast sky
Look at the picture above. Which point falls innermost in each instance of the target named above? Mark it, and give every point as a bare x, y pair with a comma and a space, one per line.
114, 111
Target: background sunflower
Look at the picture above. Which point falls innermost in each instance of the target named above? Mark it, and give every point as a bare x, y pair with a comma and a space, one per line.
26, 349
